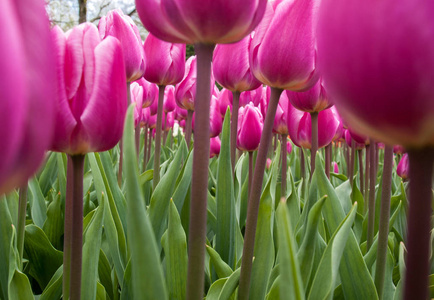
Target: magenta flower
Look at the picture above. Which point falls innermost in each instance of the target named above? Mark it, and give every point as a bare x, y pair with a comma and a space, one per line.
268, 163
180, 113
403, 167
231, 66
92, 89
26, 92
168, 121
289, 147
214, 146
225, 100
165, 62
150, 94
349, 138
281, 117
335, 167
377, 60
253, 96
215, 119
398, 149
313, 100
122, 27
250, 124
136, 92
299, 126
210, 22
169, 99
282, 53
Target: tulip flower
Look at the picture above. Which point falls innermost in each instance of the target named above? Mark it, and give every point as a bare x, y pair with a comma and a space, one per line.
150, 94
380, 77
137, 98
289, 147
281, 118
26, 93
335, 167
313, 100
122, 27
225, 100
254, 96
214, 149
215, 121
398, 149
349, 139
403, 167
185, 91
180, 113
250, 125
169, 99
92, 103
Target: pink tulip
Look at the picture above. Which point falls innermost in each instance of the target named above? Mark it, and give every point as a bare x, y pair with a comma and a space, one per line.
281, 117
182, 124
299, 127
168, 121
312, 100
152, 121
289, 147
215, 121
250, 124
398, 149
253, 96
214, 146
377, 60
268, 163
231, 66
180, 113
403, 167
136, 92
225, 100
169, 99
150, 94
264, 100
349, 138
340, 134
27, 90
165, 62
122, 27
282, 53
209, 22
146, 114
92, 88
335, 167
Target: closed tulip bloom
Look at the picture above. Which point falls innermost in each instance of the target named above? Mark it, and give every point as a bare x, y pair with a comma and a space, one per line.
214, 146
215, 119
281, 118
313, 100
335, 167
169, 99
152, 121
165, 62
264, 100
349, 140
398, 149
225, 100
253, 96
377, 61
146, 114
340, 134
250, 124
289, 147
92, 88
299, 126
122, 27
168, 121
268, 163
358, 138
282, 53
231, 66
180, 113
137, 97
403, 167
150, 94
26, 90
209, 22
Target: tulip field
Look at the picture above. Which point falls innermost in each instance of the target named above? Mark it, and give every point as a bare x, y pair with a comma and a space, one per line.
289, 157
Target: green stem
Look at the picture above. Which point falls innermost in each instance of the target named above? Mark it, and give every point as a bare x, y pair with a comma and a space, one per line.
352, 161
21, 226
327, 159
145, 148
302, 164
253, 205
314, 149
284, 166
371, 204
383, 231
120, 142
67, 235
234, 124
137, 139
199, 191
74, 226
250, 172
419, 223
188, 127
367, 170
360, 157
158, 135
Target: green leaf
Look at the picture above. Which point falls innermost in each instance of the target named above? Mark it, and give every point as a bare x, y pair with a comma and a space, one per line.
352, 268
37, 203
215, 289
291, 286
6, 235
19, 287
91, 249
146, 271
226, 219
53, 226
230, 285
222, 269
324, 282
49, 173
53, 290
175, 249
181, 190
104, 273
162, 194
44, 259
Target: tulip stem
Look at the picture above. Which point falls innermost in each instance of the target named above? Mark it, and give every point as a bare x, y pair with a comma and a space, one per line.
383, 231
253, 204
314, 149
352, 162
157, 149
367, 167
165, 128
21, 225
419, 223
360, 156
250, 172
234, 124
137, 139
371, 204
284, 166
188, 126
145, 147
149, 145
327, 159
73, 235
199, 191
302, 164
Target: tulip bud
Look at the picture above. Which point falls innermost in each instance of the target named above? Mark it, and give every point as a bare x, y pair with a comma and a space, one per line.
225, 100
214, 146
253, 96
349, 139
289, 147
92, 88
403, 167
268, 163
215, 121
250, 124
398, 149
122, 27
335, 167
231, 66
136, 92
312, 100
281, 118
169, 103
165, 62
150, 94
